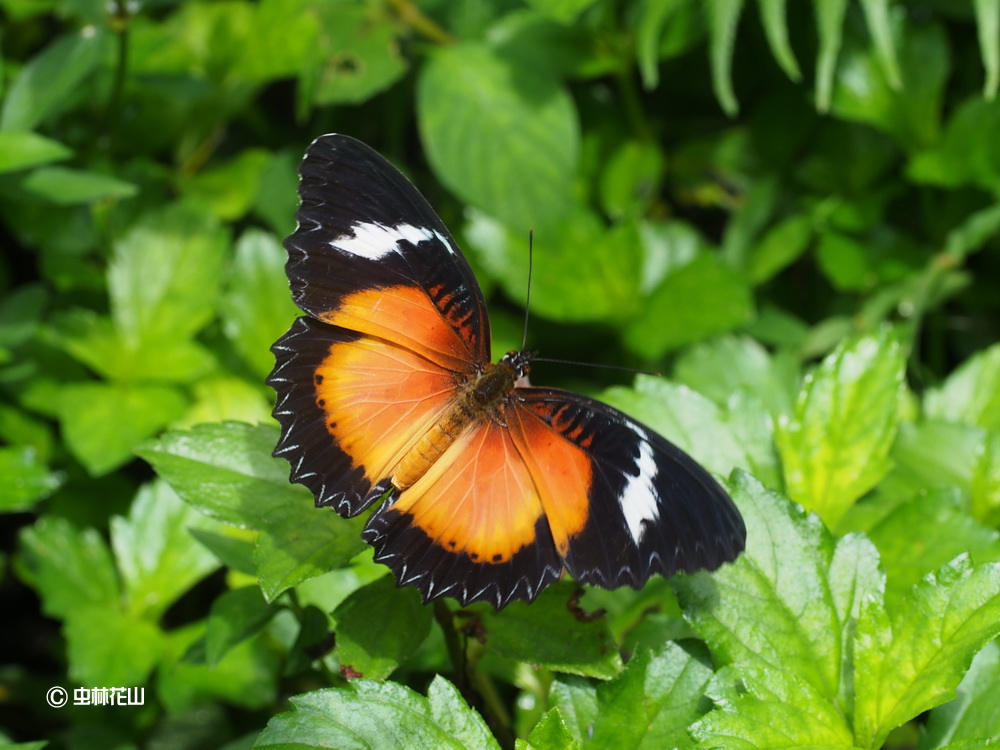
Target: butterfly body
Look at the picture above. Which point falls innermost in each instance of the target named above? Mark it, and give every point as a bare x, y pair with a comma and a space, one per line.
490, 487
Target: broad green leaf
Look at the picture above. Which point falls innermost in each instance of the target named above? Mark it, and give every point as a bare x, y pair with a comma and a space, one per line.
282, 39
157, 557
931, 454
564, 11
912, 658
779, 248
724, 16
974, 714
835, 446
703, 299
785, 621
631, 179
925, 532
723, 366
236, 615
772, 17
652, 702
109, 647
988, 26
226, 471
984, 486
256, 306
228, 190
69, 187
299, 541
366, 714
103, 423
24, 478
473, 104
225, 398
965, 154
164, 277
53, 80
971, 394
70, 569
232, 547
830, 27
547, 632
378, 627
550, 733
23, 149
684, 417
667, 247
576, 699
846, 262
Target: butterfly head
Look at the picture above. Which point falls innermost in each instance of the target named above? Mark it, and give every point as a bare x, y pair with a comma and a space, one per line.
519, 364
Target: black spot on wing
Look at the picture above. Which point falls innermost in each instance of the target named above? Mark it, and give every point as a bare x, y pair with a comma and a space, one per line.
305, 442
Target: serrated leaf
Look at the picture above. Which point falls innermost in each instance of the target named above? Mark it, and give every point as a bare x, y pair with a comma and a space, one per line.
366, 713
784, 621
23, 149
911, 659
975, 713
550, 733
157, 557
835, 446
109, 647
576, 699
226, 471
70, 569
547, 632
256, 307
704, 298
102, 423
299, 542
472, 104
971, 394
25, 479
236, 615
378, 627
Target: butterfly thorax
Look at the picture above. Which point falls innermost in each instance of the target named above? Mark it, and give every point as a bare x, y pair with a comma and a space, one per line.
482, 398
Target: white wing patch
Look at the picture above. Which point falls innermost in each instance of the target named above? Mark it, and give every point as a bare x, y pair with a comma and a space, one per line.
638, 499
374, 241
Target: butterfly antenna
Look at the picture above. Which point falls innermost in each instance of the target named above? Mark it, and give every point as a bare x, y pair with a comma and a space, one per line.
527, 296
596, 364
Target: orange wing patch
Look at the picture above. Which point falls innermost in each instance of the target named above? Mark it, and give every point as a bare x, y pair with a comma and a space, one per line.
379, 400
487, 492
406, 316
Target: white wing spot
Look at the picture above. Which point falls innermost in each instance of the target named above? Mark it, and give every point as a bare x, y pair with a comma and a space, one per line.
374, 241
638, 499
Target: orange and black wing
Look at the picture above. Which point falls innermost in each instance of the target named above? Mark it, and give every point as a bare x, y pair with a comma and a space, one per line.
396, 324
563, 482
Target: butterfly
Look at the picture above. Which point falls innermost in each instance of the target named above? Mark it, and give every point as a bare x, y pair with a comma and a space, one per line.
487, 487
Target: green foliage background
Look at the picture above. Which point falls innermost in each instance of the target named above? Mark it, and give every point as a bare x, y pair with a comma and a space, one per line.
791, 209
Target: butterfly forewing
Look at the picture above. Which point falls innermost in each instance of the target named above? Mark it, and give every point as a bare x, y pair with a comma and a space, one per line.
387, 388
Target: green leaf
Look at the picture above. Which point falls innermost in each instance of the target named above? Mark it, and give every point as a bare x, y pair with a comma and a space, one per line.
21, 312
724, 16
299, 542
550, 733
70, 569
700, 300
988, 26
379, 626
651, 19
772, 17
231, 547
576, 699
473, 104
911, 659
965, 154
973, 232
779, 248
53, 80
835, 446
256, 307
70, 187
228, 190
25, 479
236, 615
564, 11
985, 481
880, 28
830, 27
973, 714
23, 149
108, 647
103, 423
366, 713
785, 622
971, 394
157, 556
226, 471
631, 179
164, 277
548, 633
652, 702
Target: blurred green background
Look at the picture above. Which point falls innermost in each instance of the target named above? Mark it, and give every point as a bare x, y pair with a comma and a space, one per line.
724, 191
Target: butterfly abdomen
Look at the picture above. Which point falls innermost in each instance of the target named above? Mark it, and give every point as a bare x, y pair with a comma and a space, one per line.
480, 399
